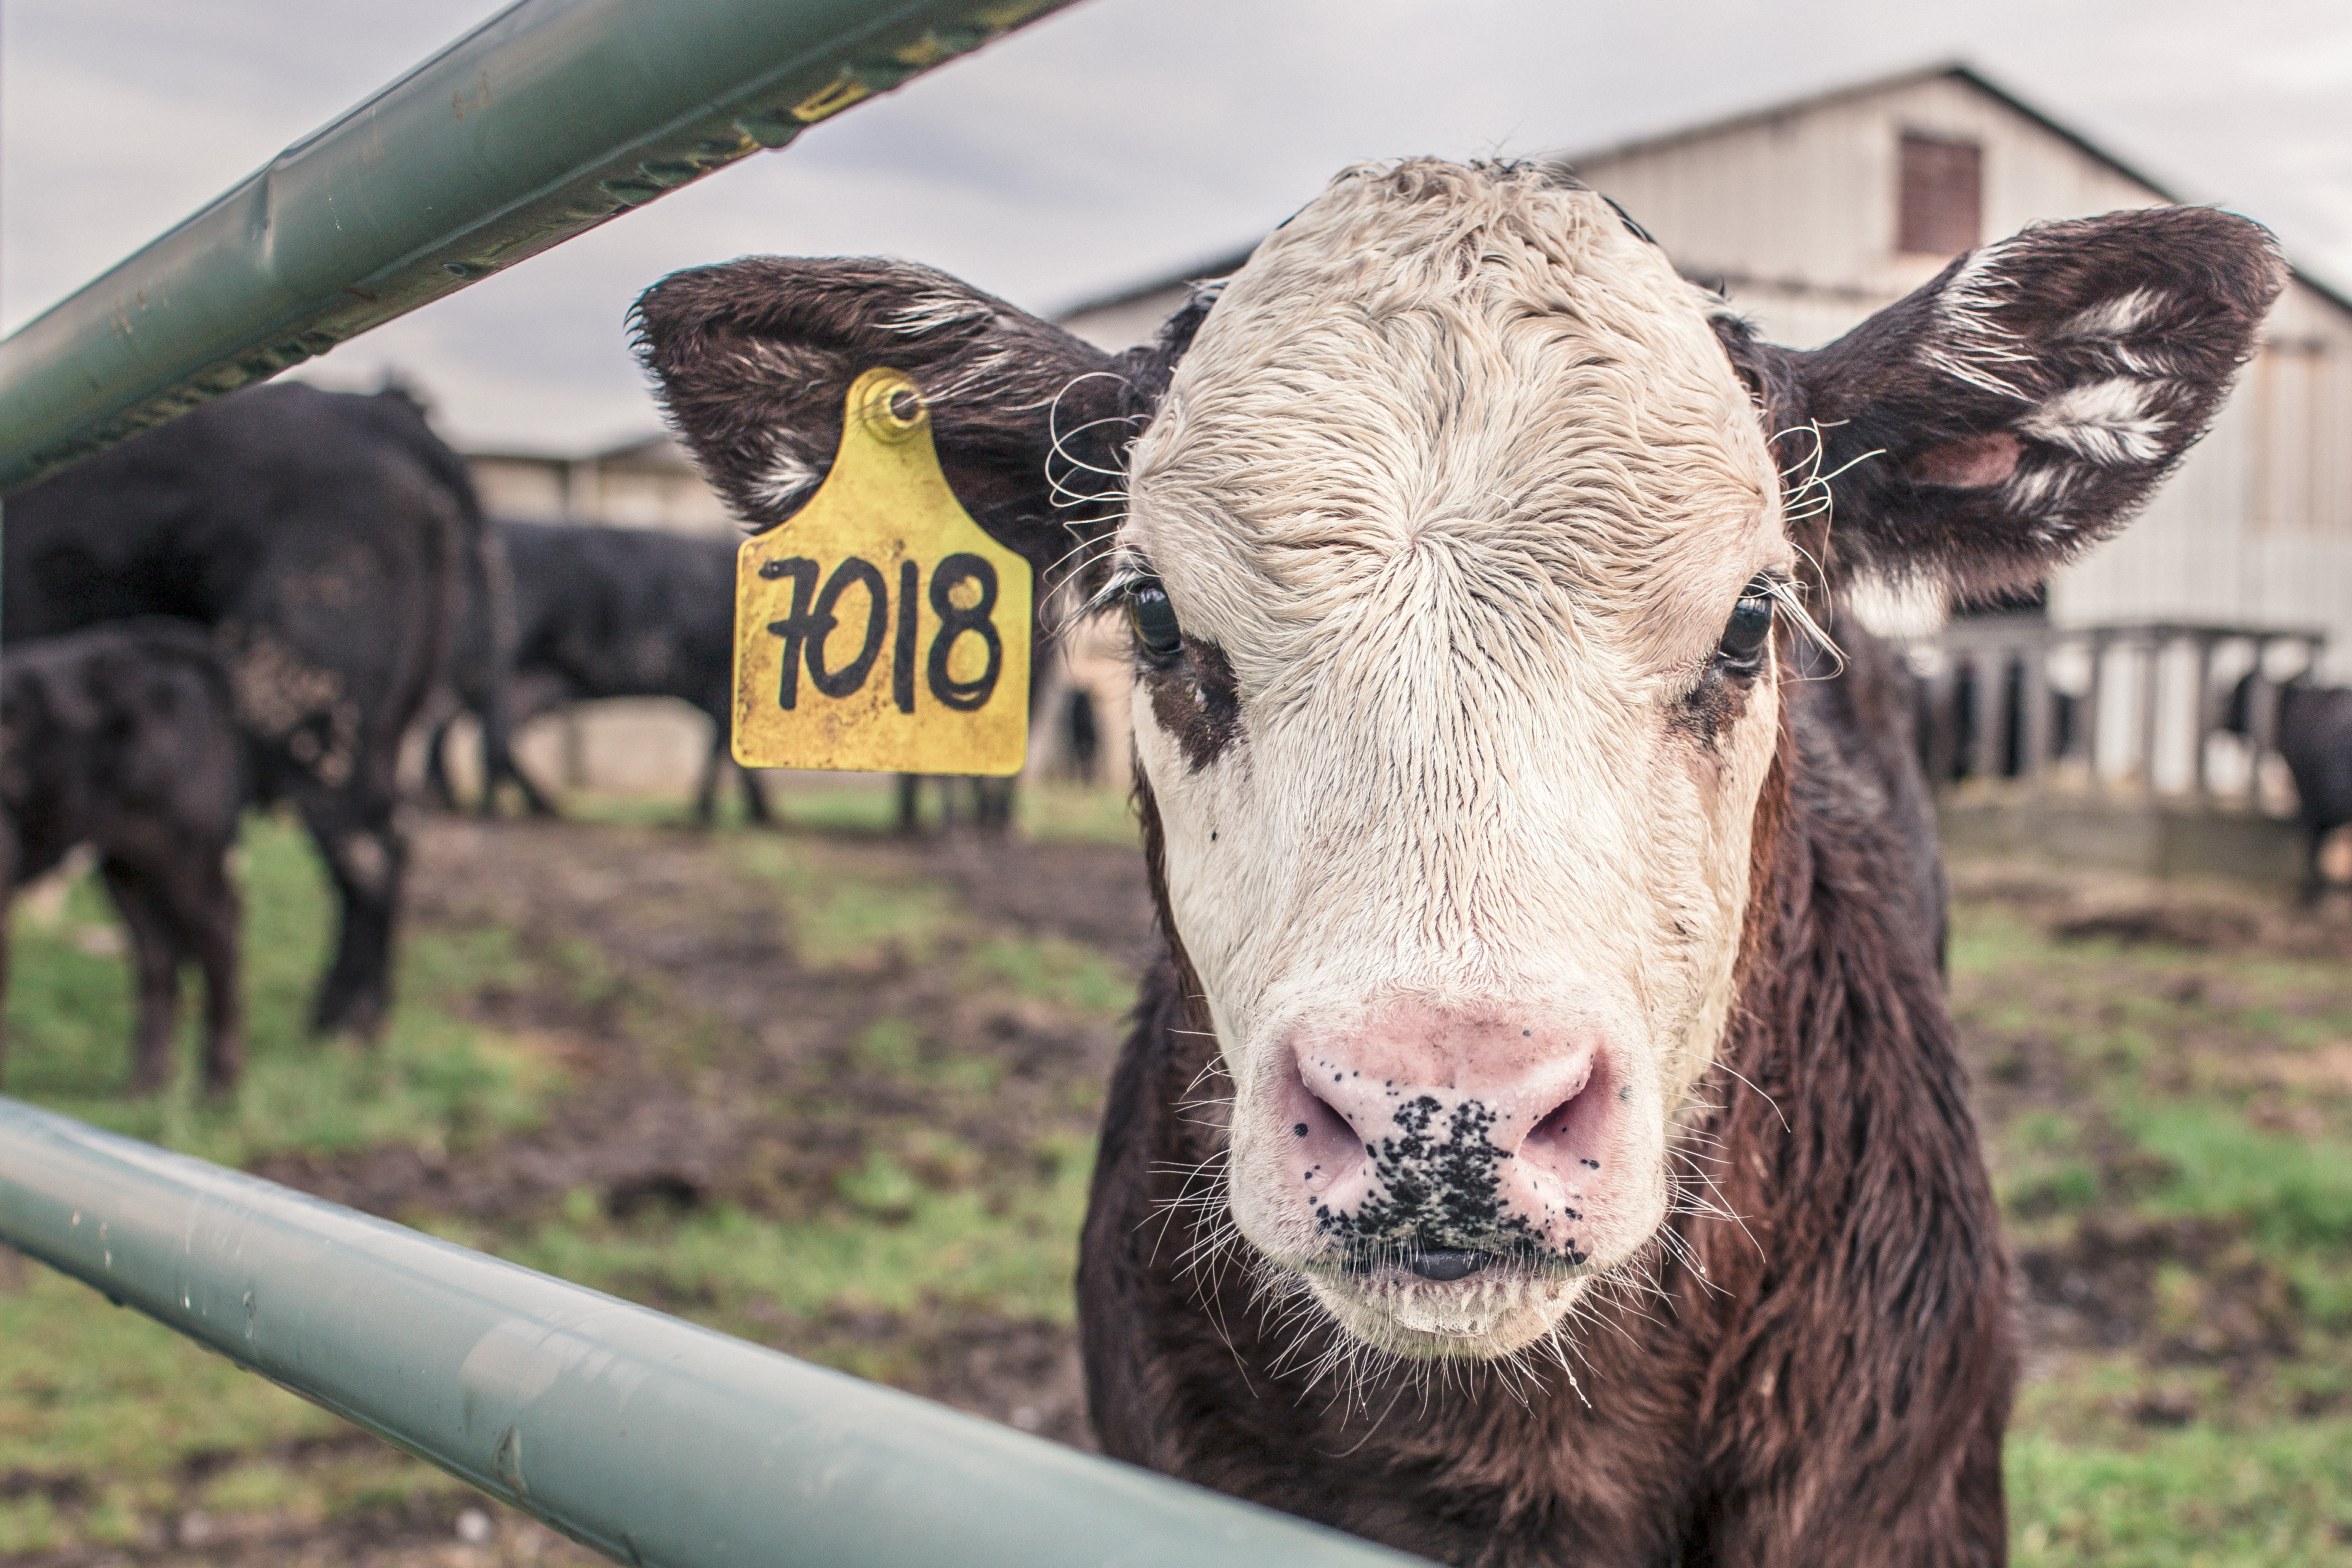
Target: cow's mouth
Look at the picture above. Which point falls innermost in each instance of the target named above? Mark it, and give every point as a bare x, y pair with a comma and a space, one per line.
1443, 1265
1446, 1303
1446, 1264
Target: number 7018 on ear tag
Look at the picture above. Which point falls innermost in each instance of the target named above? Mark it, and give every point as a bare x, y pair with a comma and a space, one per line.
881, 628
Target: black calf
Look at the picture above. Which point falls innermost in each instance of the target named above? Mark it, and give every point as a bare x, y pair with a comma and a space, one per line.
124, 738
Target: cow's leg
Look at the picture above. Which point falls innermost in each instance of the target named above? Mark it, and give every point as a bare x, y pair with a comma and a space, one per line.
755, 797
210, 919
534, 799
365, 856
498, 764
437, 766
8, 901
993, 800
2314, 876
705, 787
156, 963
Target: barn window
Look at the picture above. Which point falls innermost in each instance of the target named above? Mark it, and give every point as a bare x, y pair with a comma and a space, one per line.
1940, 210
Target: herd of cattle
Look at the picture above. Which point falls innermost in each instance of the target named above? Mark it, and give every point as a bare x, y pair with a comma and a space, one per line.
254, 604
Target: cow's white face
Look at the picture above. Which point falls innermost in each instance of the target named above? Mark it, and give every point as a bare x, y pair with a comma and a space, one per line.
1454, 498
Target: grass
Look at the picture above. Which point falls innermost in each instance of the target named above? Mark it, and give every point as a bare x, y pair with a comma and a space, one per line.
2199, 1498
112, 1427
2291, 1194
434, 1082
1049, 810
2160, 1136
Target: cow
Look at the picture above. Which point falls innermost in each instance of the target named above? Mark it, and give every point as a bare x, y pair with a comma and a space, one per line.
1543, 1140
611, 612
2312, 729
320, 535
123, 737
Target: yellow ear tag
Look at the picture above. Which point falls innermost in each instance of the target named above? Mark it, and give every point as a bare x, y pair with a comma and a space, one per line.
881, 628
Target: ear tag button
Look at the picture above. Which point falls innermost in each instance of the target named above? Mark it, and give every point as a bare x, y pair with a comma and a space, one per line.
881, 629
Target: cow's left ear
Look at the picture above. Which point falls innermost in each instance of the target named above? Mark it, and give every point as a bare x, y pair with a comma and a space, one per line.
2022, 405
755, 358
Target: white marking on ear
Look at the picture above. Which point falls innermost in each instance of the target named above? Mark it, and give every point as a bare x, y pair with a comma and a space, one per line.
2039, 490
784, 482
1907, 608
2116, 318
1969, 343
929, 313
2106, 422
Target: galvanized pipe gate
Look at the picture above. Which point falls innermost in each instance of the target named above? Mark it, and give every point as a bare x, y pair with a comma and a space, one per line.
650, 1439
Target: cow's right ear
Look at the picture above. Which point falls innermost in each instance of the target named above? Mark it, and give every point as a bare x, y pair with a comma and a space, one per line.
2017, 409
755, 358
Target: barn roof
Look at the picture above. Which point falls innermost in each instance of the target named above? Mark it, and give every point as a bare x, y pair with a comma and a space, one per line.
1958, 71
1955, 70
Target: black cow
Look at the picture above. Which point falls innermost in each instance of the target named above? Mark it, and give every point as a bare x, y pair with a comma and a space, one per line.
2314, 734
124, 738
609, 612
320, 535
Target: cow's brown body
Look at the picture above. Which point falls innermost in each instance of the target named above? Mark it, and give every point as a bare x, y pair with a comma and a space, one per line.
1833, 1391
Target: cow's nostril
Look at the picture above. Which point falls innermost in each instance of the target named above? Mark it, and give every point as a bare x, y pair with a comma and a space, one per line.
1319, 1143
1569, 1130
1318, 1117
1445, 1264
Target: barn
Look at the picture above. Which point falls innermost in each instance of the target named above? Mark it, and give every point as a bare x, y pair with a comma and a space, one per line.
1810, 215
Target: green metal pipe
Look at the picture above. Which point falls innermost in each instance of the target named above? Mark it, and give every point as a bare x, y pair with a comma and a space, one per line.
648, 1439
547, 120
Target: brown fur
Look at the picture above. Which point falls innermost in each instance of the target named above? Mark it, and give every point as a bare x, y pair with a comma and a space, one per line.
1833, 1391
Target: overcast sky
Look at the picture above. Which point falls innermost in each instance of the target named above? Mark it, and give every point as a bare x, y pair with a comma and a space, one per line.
1118, 141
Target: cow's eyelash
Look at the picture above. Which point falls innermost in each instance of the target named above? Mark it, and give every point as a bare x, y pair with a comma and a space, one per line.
1788, 594
1128, 572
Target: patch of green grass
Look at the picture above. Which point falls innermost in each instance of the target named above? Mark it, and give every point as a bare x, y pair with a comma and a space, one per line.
1058, 813
2196, 1498
2290, 1192
434, 1082
1050, 969
120, 1413
1005, 1254
1050, 811
841, 921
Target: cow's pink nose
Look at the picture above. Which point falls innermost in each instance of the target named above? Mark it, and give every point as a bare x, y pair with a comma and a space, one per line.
1425, 1128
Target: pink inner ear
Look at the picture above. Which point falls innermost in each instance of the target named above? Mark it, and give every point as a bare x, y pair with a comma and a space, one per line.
1977, 461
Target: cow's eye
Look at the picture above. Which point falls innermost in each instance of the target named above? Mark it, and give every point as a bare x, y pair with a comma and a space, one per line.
1155, 619
1750, 625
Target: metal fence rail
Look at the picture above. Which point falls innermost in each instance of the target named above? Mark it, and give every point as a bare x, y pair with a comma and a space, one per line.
648, 1438
547, 120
